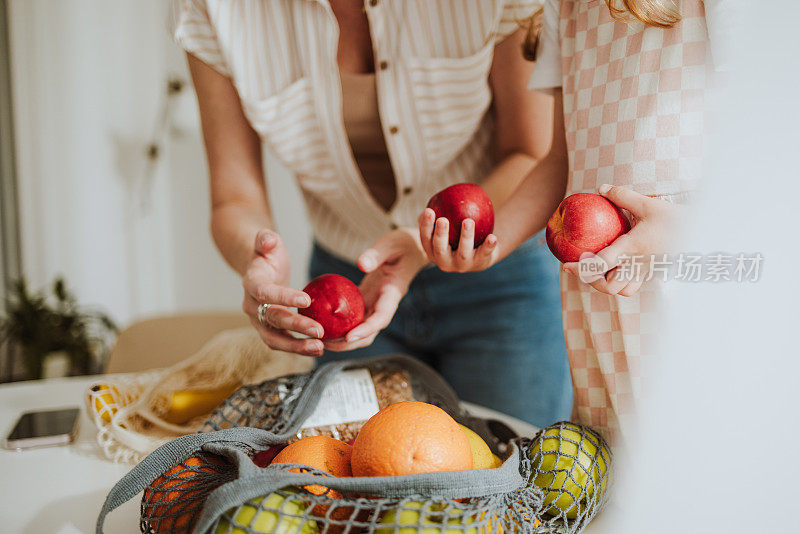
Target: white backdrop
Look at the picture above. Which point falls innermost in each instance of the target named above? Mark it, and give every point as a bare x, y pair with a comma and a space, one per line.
89, 78
719, 435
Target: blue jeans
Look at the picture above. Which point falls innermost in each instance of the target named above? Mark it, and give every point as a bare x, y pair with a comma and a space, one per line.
495, 335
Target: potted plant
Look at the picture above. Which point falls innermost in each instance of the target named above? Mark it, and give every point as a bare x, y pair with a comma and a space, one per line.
41, 325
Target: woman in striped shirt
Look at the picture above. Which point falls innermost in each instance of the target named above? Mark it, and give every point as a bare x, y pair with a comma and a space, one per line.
375, 105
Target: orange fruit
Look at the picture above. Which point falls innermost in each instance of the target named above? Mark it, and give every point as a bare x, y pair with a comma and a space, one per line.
172, 502
410, 437
326, 454
320, 452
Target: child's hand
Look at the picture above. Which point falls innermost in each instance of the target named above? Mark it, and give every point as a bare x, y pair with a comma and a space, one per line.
655, 223
433, 233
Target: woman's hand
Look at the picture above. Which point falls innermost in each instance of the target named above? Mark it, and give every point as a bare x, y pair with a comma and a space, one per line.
391, 263
266, 282
434, 236
655, 223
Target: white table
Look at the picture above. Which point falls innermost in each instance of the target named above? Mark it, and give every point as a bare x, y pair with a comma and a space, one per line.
59, 490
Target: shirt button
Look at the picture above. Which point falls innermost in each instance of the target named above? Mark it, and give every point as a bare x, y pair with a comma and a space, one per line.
383, 65
373, 3
393, 130
407, 190
393, 226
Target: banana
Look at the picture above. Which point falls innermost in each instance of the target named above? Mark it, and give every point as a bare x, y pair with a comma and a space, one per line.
188, 404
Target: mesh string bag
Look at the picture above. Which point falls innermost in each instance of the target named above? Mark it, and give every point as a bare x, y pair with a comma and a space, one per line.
131, 411
241, 496
173, 501
571, 463
282, 404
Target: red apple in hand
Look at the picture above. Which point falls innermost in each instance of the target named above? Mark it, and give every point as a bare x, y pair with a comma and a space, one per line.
336, 304
584, 222
464, 201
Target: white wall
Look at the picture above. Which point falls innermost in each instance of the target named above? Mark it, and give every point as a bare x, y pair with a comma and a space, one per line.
718, 443
89, 78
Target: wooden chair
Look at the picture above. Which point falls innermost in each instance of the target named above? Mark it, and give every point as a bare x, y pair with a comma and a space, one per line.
164, 341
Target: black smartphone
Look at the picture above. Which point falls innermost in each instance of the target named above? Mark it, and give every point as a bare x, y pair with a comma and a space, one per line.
44, 429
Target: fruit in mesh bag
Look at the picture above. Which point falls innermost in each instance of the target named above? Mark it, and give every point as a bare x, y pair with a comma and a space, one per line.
173, 501
265, 457
105, 401
320, 452
410, 437
186, 405
569, 462
482, 455
427, 518
336, 304
326, 454
275, 513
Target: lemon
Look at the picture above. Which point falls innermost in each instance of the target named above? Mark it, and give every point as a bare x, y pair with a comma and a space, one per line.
569, 461
482, 457
262, 515
105, 401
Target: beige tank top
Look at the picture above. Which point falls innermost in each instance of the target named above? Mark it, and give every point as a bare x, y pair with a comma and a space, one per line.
363, 125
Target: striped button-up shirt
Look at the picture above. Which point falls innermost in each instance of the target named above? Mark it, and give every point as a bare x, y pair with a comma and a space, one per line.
432, 58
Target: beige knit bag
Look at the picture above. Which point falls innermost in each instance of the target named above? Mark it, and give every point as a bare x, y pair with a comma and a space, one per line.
135, 413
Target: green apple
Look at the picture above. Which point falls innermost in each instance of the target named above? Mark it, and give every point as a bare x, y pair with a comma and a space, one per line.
571, 461
431, 519
261, 515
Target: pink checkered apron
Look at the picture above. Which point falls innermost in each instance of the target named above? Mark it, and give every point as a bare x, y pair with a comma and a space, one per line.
633, 108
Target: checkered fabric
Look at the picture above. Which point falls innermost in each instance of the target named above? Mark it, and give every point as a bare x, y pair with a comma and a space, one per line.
633, 99
608, 339
633, 108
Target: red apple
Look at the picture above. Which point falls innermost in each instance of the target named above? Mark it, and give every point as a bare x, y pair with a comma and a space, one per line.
264, 458
336, 304
464, 201
584, 222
